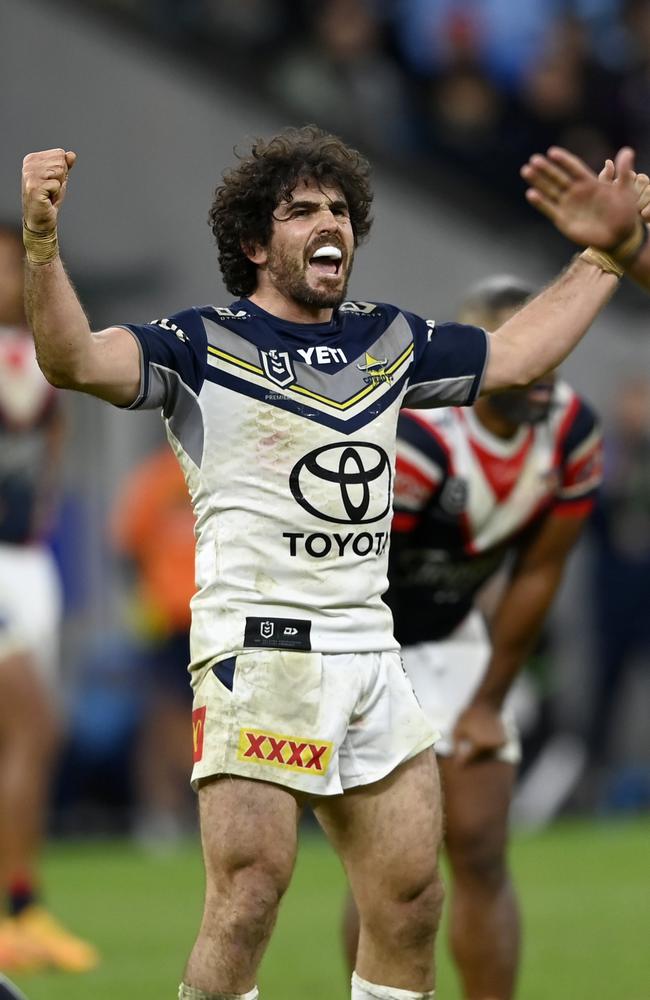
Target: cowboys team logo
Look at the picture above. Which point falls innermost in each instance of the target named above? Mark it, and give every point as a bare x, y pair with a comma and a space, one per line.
376, 370
344, 483
198, 732
277, 366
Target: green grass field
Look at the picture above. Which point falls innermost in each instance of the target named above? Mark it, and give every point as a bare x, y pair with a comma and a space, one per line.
585, 889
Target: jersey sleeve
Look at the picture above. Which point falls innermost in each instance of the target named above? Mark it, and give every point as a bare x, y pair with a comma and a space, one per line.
173, 353
421, 467
450, 361
581, 468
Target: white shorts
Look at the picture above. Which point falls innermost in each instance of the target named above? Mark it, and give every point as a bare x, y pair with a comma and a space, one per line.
315, 722
30, 606
446, 674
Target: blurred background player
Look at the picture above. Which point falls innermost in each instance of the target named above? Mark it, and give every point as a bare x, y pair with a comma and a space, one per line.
30, 609
514, 476
154, 504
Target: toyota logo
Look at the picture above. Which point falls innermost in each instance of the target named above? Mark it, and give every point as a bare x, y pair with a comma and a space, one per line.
344, 483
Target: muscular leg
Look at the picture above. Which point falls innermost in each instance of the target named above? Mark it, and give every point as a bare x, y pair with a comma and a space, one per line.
388, 835
484, 917
28, 736
249, 836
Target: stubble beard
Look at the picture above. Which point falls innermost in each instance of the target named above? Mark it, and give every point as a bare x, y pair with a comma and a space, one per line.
288, 276
514, 407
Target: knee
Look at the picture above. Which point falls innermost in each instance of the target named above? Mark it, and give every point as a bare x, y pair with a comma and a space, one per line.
245, 899
479, 858
410, 921
417, 915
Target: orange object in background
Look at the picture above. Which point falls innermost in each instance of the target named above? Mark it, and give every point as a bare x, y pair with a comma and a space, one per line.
153, 524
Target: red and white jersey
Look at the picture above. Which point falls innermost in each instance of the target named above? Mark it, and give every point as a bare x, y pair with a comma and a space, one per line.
28, 405
464, 496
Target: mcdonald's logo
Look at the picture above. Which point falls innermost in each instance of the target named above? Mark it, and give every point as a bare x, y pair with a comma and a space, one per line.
198, 730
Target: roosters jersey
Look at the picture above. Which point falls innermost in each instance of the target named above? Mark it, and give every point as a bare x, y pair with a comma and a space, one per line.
286, 435
28, 405
464, 496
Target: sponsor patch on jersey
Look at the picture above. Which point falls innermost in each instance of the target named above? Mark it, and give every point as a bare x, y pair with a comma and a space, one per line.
345, 483
198, 732
292, 753
320, 545
166, 324
224, 313
358, 308
278, 633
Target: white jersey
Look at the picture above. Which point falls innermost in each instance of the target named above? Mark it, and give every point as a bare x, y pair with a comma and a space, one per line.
286, 435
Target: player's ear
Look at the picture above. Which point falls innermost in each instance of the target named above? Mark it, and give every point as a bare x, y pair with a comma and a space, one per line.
256, 254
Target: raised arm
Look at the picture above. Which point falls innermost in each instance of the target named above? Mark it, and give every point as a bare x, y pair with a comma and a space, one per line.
609, 211
71, 356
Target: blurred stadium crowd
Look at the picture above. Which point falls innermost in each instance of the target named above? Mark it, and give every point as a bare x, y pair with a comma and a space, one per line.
478, 84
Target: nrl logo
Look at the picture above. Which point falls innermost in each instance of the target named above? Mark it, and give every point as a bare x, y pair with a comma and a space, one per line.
277, 366
375, 369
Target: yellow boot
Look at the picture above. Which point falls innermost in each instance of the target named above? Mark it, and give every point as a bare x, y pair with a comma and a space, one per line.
56, 945
17, 954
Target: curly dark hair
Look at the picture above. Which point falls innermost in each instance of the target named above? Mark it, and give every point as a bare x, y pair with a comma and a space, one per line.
242, 211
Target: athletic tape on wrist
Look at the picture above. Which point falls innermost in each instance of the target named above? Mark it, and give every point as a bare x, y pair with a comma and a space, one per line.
40, 248
629, 249
602, 260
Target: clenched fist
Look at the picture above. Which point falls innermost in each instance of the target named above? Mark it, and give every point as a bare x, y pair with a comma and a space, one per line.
45, 178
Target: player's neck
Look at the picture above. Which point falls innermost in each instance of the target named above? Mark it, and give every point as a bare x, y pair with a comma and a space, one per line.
273, 301
494, 422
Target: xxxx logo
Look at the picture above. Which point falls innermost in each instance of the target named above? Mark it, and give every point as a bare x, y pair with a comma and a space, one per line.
198, 730
294, 753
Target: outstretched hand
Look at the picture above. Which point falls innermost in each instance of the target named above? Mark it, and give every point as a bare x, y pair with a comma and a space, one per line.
45, 180
641, 187
589, 210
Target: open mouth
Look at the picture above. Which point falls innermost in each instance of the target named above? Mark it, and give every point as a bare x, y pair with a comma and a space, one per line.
326, 260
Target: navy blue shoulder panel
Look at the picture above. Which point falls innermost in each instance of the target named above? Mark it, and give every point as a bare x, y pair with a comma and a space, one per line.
178, 344
450, 361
